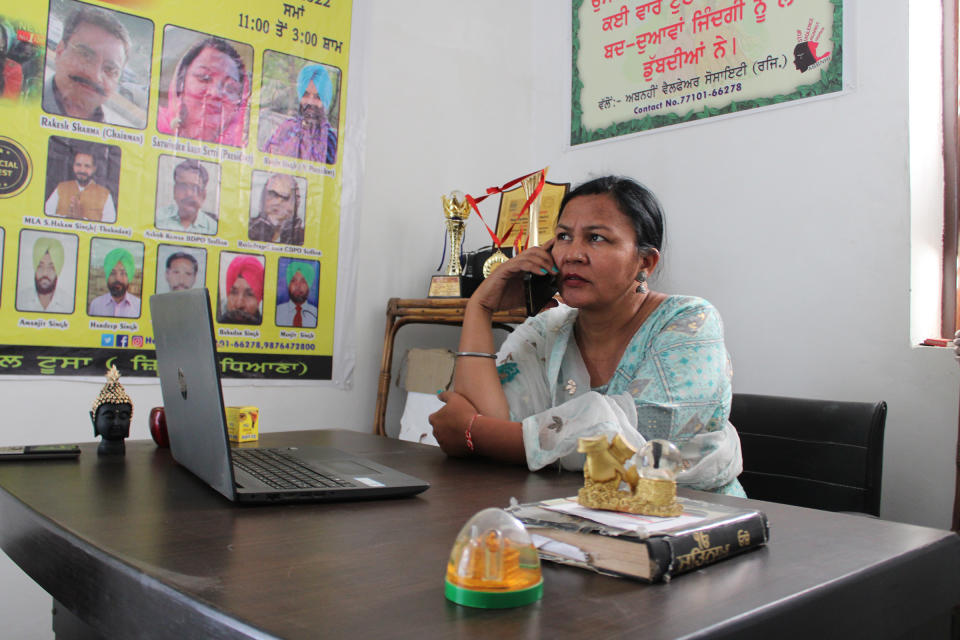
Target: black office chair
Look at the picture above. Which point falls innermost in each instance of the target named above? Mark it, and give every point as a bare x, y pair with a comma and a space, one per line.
811, 453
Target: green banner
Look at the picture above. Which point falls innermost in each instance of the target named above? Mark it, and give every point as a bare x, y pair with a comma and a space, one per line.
642, 66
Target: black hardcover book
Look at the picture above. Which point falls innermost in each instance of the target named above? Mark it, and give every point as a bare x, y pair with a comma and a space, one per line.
647, 548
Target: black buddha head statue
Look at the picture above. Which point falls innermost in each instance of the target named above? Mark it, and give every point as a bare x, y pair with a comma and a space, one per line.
111, 414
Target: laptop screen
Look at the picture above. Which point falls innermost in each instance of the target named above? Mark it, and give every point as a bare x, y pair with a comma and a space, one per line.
190, 384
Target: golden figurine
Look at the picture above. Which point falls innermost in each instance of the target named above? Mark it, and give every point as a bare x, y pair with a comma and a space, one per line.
651, 490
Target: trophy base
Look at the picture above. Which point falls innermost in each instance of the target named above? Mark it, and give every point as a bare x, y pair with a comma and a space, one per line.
446, 287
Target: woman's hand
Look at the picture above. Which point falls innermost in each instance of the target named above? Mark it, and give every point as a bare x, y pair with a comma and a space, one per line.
450, 423
503, 289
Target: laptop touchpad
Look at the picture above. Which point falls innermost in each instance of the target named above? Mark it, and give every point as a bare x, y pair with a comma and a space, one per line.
348, 467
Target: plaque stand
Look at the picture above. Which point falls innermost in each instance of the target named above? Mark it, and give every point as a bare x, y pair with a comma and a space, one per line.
446, 287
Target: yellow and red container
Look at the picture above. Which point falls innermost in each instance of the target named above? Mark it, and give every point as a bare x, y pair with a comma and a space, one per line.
242, 424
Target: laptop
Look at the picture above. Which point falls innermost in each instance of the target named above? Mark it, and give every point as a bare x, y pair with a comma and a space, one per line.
197, 426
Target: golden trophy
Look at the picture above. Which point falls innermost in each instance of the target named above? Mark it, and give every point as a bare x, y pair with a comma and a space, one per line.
456, 210
533, 214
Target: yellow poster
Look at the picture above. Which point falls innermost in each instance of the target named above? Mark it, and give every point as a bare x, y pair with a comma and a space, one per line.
149, 146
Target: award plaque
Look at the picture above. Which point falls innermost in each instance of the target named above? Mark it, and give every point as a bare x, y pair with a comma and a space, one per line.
455, 212
528, 213
511, 203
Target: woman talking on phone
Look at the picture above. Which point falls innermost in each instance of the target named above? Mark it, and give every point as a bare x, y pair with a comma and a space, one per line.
615, 357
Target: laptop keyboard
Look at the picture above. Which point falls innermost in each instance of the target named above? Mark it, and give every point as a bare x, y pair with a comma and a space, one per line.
282, 470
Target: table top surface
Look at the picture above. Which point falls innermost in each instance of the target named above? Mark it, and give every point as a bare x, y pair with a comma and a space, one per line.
136, 542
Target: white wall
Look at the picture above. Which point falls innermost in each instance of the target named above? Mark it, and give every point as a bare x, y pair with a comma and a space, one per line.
795, 222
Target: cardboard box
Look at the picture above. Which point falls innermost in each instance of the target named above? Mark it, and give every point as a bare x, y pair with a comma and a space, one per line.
242, 423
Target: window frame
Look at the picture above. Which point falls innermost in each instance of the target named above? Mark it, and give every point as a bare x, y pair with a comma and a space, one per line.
950, 298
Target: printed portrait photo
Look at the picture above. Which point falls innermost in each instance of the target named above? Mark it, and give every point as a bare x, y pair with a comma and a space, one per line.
278, 204
115, 282
180, 268
46, 271
188, 195
299, 108
298, 284
21, 59
83, 180
204, 87
240, 290
98, 64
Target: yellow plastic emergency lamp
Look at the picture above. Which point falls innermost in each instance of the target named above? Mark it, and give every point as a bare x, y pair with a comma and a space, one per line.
493, 564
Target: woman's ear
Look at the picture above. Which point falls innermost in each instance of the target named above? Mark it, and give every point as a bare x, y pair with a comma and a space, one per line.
649, 259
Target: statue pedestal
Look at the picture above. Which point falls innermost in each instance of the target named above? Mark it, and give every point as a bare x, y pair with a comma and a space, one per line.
651, 497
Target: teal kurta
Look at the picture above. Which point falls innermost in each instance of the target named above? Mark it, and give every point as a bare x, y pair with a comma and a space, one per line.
673, 382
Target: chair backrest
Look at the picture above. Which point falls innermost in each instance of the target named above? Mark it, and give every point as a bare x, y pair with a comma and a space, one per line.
811, 453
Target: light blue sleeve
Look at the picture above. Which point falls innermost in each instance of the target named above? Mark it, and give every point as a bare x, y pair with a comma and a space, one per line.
681, 383
682, 389
521, 365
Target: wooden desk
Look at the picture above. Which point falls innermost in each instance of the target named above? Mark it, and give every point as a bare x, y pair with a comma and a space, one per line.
400, 312
137, 547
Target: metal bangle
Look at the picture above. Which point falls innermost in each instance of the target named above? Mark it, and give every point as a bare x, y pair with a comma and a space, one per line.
476, 354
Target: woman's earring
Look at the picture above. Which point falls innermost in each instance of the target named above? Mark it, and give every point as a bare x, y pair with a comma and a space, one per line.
642, 279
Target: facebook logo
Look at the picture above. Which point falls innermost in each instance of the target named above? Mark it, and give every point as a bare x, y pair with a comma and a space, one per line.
106, 339
123, 340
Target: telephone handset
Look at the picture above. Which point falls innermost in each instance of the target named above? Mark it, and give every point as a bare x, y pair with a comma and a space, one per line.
538, 290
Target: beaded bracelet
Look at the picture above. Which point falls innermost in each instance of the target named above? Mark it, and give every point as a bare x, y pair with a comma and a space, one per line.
467, 433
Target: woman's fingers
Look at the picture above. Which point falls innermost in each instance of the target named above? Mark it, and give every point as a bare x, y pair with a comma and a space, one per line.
503, 288
536, 260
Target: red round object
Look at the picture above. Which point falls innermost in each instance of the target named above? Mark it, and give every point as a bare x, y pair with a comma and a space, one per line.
158, 427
